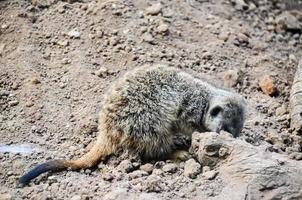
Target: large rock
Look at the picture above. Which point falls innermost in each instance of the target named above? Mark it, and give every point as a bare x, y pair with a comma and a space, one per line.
252, 172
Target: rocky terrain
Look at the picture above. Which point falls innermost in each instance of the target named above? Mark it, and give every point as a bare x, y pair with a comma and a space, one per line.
58, 57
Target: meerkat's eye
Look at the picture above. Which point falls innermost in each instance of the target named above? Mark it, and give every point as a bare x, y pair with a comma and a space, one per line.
215, 111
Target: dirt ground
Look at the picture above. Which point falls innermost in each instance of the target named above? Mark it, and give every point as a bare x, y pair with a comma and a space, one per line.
58, 57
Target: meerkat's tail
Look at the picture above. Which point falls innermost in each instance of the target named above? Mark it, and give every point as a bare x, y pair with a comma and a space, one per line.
90, 159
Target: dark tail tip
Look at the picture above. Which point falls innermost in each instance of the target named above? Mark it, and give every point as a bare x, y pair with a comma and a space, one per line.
53, 165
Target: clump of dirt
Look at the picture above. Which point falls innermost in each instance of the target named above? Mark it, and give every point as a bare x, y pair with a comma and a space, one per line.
58, 57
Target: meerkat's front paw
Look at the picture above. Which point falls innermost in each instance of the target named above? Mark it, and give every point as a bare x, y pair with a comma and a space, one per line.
182, 142
180, 155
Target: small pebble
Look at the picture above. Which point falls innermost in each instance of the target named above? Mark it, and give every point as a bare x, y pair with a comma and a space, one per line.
154, 9
74, 34
170, 167
210, 175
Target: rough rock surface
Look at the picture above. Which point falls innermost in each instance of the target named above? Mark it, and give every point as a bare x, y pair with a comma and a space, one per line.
253, 172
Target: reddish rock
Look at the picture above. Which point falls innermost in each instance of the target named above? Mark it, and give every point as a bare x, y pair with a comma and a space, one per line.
267, 85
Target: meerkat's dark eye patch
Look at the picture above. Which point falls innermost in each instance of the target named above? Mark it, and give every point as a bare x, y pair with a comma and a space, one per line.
215, 111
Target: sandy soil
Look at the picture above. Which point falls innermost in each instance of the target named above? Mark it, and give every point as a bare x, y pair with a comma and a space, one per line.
58, 57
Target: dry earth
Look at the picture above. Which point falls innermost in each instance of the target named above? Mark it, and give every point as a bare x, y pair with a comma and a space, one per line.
58, 57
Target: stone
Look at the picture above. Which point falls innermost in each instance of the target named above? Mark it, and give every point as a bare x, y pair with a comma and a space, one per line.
137, 174
242, 38
267, 85
147, 37
125, 166
232, 77
35, 81
207, 56
6, 196
205, 169
157, 172
13, 103
63, 43
76, 197
74, 34
224, 36
248, 166
192, 168
210, 175
66, 61
2, 48
281, 110
296, 156
107, 176
153, 183
240, 5
154, 9
162, 28
117, 194
292, 58
170, 168
286, 20
102, 72
147, 168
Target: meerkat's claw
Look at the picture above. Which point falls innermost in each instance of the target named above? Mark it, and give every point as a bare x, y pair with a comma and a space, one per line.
181, 155
182, 141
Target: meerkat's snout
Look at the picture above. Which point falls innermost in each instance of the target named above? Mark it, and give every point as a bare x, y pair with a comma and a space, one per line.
228, 117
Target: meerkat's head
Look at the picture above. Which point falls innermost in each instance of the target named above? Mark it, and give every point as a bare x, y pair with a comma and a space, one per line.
225, 113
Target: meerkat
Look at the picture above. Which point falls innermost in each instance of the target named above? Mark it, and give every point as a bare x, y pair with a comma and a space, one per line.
152, 111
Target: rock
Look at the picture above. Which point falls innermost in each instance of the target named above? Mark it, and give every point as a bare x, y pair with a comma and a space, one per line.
205, 169
147, 37
2, 47
29, 103
76, 197
288, 22
89, 126
210, 175
247, 165
242, 38
157, 172
154, 9
207, 56
74, 34
296, 156
63, 43
125, 166
107, 176
147, 168
117, 194
4, 93
35, 81
224, 36
240, 5
192, 168
267, 85
232, 77
292, 58
170, 168
281, 110
6, 196
153, 183
102, 72
137, 174
162, 28
13, 103
66, 61
15, 86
